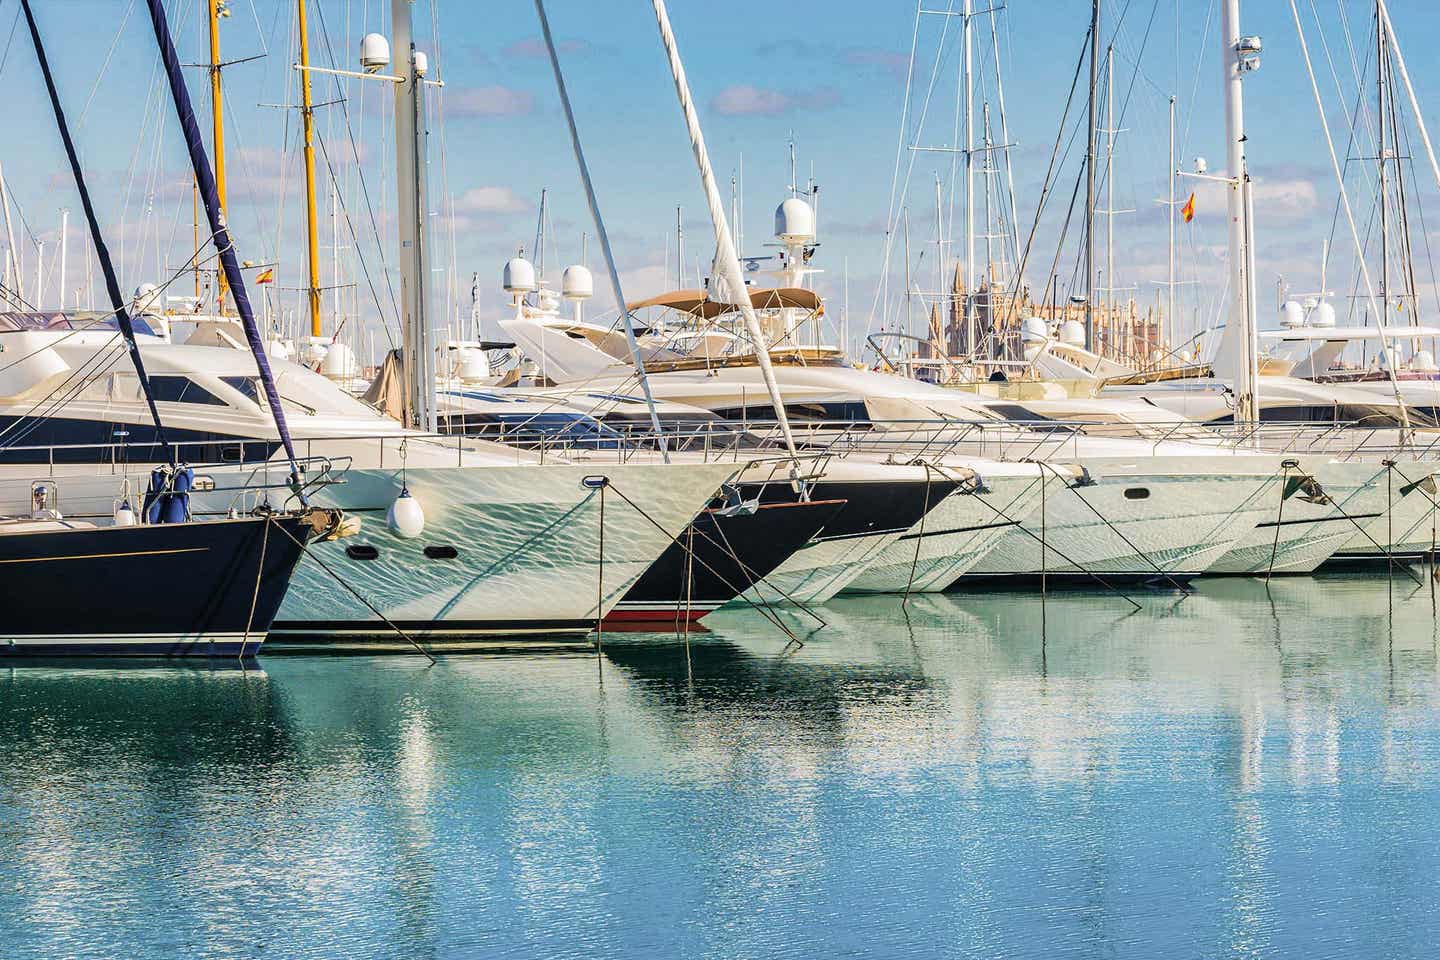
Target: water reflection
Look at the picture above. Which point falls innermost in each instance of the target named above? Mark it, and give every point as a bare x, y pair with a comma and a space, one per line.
1244, 771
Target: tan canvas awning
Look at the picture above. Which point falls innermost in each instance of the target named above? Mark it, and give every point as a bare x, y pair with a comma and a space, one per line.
697, 303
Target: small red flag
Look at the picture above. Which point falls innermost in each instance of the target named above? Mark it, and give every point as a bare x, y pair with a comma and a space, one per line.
1188, 211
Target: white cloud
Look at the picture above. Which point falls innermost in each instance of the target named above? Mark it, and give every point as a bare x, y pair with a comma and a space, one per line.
746, 100
488, 201
491, 101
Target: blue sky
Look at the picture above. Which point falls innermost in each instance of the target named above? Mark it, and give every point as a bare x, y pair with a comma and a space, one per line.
833, 74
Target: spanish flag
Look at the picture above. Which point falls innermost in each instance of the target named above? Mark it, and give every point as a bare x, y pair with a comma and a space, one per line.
1188, 211
268, 275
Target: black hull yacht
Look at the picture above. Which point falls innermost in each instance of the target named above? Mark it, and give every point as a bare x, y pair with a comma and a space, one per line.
170, 585
193, 589
724, 552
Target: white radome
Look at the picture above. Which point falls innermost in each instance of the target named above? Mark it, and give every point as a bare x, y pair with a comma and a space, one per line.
1324, 315
1292, 314
577, 283
519, 276
794, 221
1033, 329
339, 363
374, 52
1073, 333
1423, 361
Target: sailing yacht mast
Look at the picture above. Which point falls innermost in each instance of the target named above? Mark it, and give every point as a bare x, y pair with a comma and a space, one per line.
1380, 157
1090, 181
1169, 336
217, 9
307, 119
1109, 286
1235, 64
12, 255
727, 262
972, 335
410, 187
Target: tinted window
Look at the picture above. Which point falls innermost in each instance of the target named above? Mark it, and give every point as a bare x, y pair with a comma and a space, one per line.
441, 553
361, 551
182, 390
246, 385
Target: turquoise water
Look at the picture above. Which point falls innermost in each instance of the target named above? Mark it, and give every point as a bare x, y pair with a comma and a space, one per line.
1238, 773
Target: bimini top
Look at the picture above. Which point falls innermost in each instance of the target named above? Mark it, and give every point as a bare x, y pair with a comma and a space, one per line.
697, 303
11, 322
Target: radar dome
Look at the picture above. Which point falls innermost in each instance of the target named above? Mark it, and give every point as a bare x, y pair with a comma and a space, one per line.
1292, 315
469, 363
519, 276
1073, 333
374, 52
1423, 361
1034, 329
577, 284
794, 221
339, 363
147, 298
1324, 315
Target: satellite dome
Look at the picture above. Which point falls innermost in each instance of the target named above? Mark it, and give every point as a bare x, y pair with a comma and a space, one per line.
339, 363
519, 275
577, 283
1073, 333
794, 221
1034, 329
1324, 315
1292, 315
1423, 361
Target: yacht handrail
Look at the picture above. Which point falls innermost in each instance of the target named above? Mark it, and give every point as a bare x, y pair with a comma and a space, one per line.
716, 439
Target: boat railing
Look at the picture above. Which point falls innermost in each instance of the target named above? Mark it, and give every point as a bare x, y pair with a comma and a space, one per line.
735, 441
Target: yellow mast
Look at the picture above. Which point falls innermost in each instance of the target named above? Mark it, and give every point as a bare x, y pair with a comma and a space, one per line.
217, 113
307, 112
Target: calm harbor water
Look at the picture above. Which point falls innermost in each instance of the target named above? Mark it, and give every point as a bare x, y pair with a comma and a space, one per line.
1238, 773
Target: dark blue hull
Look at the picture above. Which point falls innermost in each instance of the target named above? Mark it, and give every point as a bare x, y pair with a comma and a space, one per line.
201, 589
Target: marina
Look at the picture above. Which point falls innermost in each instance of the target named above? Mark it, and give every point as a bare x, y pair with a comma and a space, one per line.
1059, 593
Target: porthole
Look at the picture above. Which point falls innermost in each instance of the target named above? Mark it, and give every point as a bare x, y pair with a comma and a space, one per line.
362, 551
441, 552
1137, 493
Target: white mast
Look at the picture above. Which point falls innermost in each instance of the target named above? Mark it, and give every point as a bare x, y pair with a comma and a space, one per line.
970, 332
64, 251
12, 256
1090, 180
1240, 335
1169, 337
1109, 287
727, 263
410, 188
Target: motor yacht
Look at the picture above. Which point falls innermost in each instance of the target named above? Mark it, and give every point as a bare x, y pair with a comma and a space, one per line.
456, 537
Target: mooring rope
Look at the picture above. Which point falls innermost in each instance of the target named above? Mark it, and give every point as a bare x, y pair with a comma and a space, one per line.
255, 595
1043, 547
1128, 542
773, 618
1279, 519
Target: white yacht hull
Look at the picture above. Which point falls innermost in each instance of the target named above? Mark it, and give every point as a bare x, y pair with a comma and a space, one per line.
1406, 528
1297, 536
953, 537
1187, 518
